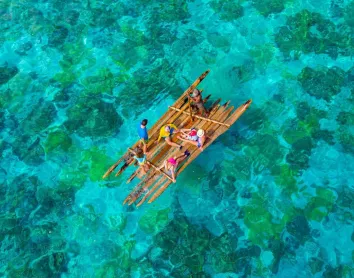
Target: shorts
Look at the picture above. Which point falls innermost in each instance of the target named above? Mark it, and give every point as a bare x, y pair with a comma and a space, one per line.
144, 141
193, 138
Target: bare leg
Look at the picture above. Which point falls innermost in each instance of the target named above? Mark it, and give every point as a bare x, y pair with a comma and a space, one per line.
188, 141
168, 141
145, 148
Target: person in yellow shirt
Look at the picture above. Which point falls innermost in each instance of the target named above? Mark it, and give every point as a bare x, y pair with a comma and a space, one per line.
166, 132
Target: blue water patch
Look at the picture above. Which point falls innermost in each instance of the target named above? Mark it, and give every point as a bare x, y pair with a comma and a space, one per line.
272, 197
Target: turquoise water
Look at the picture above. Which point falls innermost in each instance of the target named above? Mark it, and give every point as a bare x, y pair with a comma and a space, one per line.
272, 197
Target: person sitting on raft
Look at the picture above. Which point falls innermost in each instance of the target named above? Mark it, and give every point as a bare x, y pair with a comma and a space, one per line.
198, 103
172, 163
141, 158
166, 132
128, 158
198, 140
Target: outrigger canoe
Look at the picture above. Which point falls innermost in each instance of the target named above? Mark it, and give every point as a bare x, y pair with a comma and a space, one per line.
156, 181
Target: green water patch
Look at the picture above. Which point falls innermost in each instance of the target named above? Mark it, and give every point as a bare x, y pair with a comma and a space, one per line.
307, 124
228, 10
57, 140
285, 178
103, 82
260, 223
308, 32
121, 262
322, 83
271, 153
154, 220
91, 116
321, 205
98, 162
263, 54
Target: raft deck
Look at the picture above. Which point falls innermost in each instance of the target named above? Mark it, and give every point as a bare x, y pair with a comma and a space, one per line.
155, 182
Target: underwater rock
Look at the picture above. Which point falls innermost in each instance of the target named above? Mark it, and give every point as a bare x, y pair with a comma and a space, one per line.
6, 73
91, 116
219, 42
29, 149
346, 139
243, 73
324, 135
225, 243
345, 118
315, 265
103, 82
254, 119
228, 10
320, 205
251, 251
278, 249
349, 14
41, 116
267, 7
71, 17
322, 83
308, 32
298, 157
299, 228
331, 272
291, 244
58, 37
23, 48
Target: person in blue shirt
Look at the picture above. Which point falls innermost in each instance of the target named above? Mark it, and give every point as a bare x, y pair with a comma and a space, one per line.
143, 134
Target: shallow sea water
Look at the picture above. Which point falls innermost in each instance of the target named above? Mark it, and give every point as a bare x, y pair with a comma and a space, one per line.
272, 197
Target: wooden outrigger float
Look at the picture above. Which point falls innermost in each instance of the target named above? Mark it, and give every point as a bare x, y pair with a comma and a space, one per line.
156, 181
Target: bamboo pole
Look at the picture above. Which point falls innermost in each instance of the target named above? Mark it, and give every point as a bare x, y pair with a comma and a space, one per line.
110, 170
200, 117
190, 109
153, 166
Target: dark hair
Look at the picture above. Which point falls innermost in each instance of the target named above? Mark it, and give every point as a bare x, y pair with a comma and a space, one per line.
144, 122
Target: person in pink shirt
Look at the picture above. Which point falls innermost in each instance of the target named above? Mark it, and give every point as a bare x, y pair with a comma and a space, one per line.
171, 164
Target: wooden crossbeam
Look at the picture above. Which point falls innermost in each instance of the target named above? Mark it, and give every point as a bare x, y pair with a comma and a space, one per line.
153, 166
199, 117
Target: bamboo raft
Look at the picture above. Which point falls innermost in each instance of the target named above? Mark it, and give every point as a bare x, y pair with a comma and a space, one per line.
156, 181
